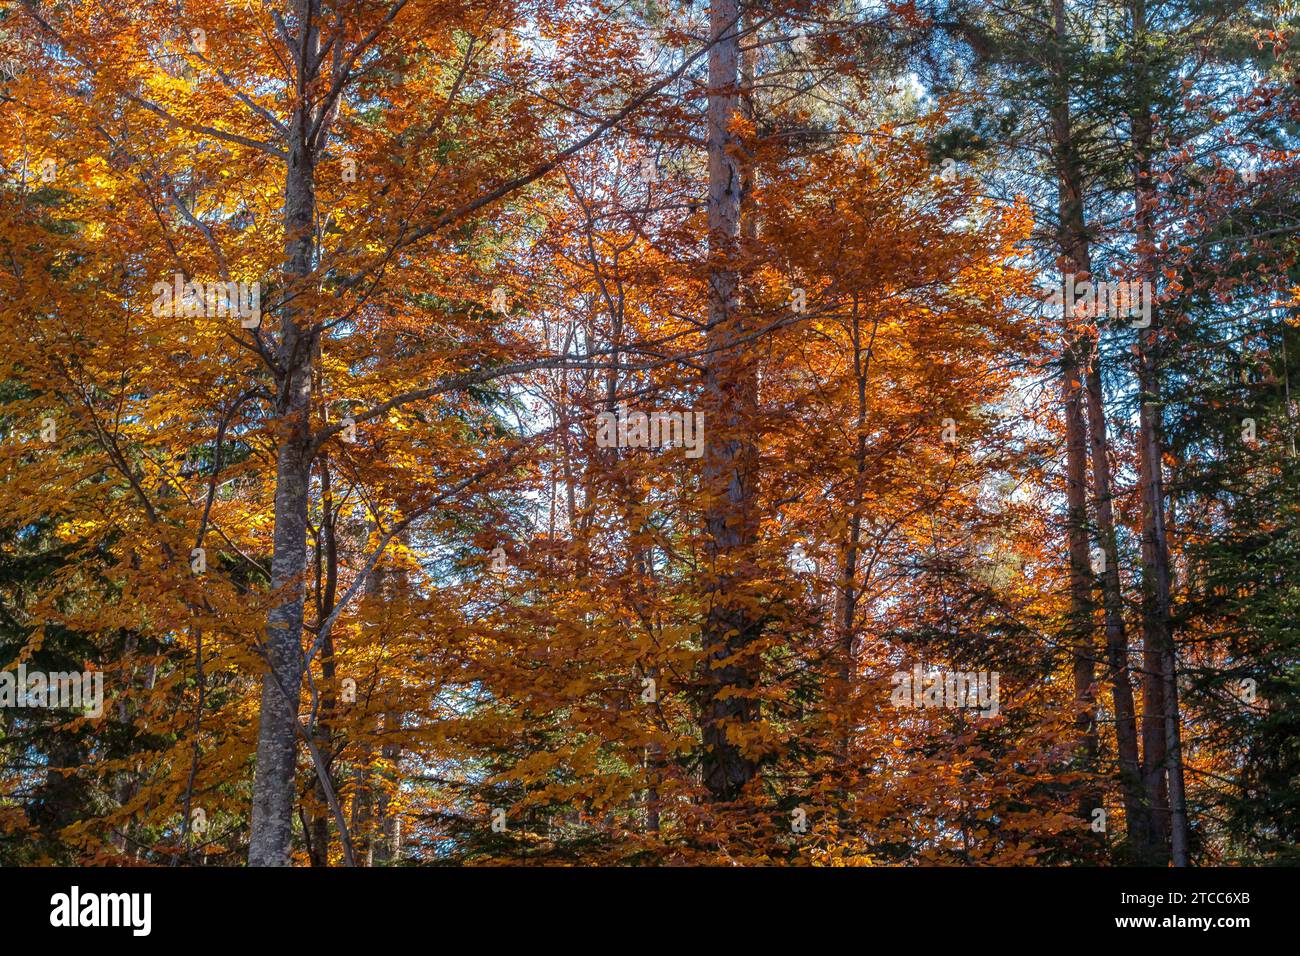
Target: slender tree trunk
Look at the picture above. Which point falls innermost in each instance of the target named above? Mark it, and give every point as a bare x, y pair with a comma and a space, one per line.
1074, 243
277, 750
388, 841
1137, 813
1075, 246
1153, 688
729, 394
850, 592
1070, 211
363, 801
327, 577
1159, 698
1164, 766
1083, 649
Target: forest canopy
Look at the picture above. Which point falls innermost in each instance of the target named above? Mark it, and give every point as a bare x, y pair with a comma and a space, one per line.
663, 432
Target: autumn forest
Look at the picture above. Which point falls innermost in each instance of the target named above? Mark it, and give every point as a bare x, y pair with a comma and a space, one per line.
649, 433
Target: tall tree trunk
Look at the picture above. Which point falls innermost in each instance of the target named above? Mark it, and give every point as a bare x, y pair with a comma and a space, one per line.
364, 776
273, 780
728, 473
1083, 649
395, 585
1070, 211
1163, 767
1075, 246
327, 578
1137, 812
849, 591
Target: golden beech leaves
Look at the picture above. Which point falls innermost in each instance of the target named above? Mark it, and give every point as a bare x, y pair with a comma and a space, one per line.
547, 451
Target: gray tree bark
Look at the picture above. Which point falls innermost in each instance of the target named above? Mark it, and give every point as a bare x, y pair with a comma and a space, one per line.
277, 745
